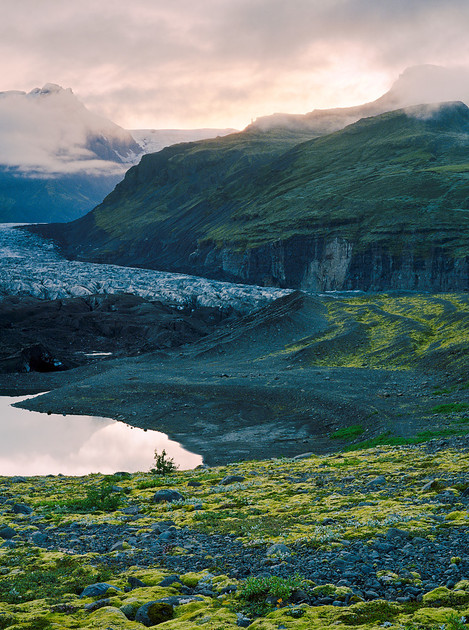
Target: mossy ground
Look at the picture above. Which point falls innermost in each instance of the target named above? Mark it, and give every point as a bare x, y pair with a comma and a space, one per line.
389, 331
280, 500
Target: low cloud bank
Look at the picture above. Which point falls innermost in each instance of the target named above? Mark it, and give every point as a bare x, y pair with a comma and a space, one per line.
48, 131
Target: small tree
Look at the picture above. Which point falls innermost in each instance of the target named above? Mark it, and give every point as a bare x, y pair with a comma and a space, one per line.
164, 465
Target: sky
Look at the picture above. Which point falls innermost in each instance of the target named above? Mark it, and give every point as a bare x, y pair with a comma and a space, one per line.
221, 63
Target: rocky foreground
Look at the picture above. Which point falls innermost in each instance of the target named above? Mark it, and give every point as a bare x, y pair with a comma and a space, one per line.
369, 539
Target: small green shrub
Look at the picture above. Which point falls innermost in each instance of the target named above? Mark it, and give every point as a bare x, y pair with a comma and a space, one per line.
101, 498
164, 465
455, 622
260, 595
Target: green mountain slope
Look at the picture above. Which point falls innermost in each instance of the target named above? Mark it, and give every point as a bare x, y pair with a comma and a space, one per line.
383, 203
379, 180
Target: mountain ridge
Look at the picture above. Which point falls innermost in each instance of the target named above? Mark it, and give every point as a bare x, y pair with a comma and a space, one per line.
380, 204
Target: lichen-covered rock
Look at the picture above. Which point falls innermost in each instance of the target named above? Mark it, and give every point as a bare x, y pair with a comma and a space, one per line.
278, 549
7, 533
435, 485
167, 495
339, 593
191, 579
229, 479
98, 589
130, 608
21, 508
443, 596
154, 613
367, 612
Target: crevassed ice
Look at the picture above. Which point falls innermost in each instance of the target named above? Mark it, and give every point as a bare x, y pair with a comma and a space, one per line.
30, 265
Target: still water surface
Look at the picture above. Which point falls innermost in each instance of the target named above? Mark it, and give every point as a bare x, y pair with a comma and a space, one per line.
35, 443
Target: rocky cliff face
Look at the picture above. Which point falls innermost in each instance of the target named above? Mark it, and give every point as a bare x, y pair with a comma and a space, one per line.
320, 264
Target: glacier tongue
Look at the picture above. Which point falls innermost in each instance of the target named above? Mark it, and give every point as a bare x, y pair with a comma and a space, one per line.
30, 265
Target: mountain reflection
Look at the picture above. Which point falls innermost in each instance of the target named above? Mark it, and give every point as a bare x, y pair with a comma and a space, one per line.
39, 444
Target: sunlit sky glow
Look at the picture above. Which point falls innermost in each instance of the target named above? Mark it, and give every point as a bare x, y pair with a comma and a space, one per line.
221, 63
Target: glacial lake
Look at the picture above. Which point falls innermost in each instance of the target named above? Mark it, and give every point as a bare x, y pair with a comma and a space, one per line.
35, 443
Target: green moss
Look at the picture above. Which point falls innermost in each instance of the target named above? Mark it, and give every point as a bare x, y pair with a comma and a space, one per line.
347, 433
35, 575
450, 408
301, 495
368, 612
191, 579
442, 596
159, 612
100, 498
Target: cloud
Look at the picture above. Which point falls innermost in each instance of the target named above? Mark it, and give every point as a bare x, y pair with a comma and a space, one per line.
49, 131
220, 62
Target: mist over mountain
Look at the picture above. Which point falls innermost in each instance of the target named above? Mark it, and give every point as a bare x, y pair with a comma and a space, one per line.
58, 159
417, 84
49, 131
153, 140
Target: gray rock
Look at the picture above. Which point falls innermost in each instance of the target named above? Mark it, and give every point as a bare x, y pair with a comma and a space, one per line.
231, 479
9, 544
100, 603
446, 497
167, 496
39, 539
7, 533
21, 508
169, 534
229, 588
135, 582
278, 549
162, 526
394, 532
97, 589
153, 613
378, 481
371, 595
242, 621
132, 510
171, 579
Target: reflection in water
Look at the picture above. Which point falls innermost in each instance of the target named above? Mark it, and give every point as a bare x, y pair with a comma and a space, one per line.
35, 443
